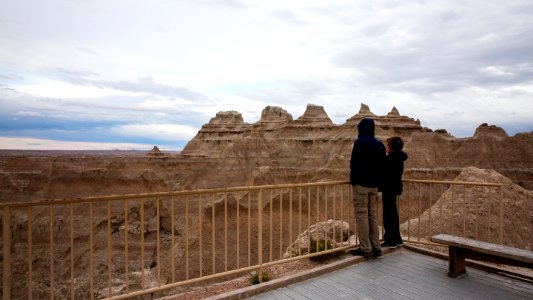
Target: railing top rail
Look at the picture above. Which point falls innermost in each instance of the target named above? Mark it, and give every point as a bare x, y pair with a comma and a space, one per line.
213, 191
453, 182
166, 194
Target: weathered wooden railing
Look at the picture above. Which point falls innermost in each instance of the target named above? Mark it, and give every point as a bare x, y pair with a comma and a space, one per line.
124, 246
468, 209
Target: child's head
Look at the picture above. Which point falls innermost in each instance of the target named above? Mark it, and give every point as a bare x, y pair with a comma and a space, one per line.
395, 144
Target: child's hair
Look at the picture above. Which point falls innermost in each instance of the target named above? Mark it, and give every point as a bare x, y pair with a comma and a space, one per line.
395, 143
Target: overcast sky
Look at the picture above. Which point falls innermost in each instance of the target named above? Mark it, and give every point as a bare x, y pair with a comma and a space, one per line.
109, 74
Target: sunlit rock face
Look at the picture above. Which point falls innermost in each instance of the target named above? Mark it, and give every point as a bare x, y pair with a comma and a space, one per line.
490, 131
276, 149
228, 152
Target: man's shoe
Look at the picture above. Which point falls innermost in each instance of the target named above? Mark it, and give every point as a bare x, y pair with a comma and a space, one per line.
384, 244
360, 252
376, 252
399, 244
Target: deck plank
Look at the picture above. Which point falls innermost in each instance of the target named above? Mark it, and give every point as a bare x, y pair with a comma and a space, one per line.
403, 274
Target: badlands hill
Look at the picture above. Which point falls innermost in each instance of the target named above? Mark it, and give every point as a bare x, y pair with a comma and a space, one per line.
228, 152
276, 149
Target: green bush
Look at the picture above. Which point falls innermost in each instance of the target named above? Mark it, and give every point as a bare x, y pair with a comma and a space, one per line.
254, 278
319, 246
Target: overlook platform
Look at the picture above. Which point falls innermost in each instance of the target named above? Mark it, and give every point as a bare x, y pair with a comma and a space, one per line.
401, 274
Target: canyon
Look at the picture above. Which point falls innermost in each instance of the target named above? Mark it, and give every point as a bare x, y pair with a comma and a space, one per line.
227, 152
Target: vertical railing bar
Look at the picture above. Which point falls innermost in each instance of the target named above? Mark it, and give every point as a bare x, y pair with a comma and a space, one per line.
213, 267
6, 241
476, 206
260, 234
325, 217
238, 233
419, 210
109, 253
465, 209
126, 243
91, 254
334, 207
488, 214
52, 263
281, 225
441, 208
290, 218
430, 206
501, 214
30, 253
270, 225
172, 238
158, 238
225, 232
308, 218
409, 212
531, 214
142, 239
200, 233
354, 218
299, 218
342, 216
249, 227
317, 212
186, 239
453, 209
201, 255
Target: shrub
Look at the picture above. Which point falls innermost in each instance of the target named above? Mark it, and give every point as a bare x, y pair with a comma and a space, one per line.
319, 246
254, 278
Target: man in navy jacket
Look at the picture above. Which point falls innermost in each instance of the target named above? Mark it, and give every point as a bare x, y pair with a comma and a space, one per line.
366, 169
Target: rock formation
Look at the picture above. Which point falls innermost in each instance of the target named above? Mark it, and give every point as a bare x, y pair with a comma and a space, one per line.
490, 131
462, 214
276, 149
155, 152
228, 152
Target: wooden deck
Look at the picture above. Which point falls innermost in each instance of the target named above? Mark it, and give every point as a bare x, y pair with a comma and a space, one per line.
403, 274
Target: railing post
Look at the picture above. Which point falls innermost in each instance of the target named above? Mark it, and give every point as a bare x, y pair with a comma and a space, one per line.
260, 234
7, 254
501, 214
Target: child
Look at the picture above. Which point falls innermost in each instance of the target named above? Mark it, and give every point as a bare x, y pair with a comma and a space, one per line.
391, 189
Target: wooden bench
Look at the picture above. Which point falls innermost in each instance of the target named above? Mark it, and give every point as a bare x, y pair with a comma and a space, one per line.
461, 248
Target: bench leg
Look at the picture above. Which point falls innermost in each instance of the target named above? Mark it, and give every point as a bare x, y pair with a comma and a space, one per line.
456, 264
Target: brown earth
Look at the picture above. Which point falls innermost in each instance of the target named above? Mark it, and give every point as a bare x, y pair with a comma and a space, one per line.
227, 152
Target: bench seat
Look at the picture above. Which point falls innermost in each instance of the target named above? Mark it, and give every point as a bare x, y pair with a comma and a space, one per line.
460, 248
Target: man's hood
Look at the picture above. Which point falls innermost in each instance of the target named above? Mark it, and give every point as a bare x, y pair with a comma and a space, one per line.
366, 128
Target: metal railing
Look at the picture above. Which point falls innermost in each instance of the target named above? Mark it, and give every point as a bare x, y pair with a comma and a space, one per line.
126, 246
467, 209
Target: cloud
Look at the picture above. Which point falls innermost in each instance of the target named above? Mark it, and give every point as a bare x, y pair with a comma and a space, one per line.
87, 50
17, 143
444, 48
27, 113
81, 65
164, 103
175, 132
142, 85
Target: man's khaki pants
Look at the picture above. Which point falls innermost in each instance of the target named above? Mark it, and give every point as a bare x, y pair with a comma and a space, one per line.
366, 217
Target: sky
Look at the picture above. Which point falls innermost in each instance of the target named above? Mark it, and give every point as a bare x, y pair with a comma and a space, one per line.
117, 74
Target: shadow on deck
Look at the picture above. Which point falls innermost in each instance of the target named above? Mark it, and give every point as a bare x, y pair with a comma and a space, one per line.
398, 274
